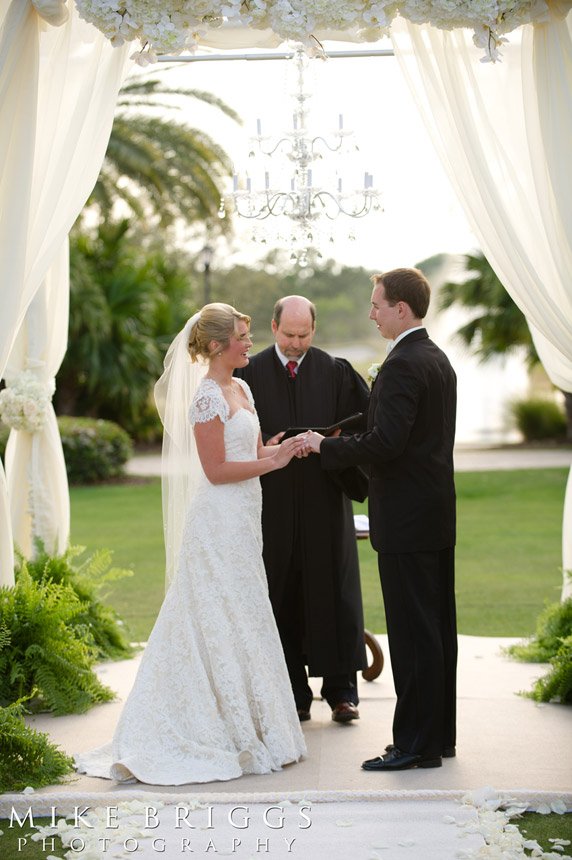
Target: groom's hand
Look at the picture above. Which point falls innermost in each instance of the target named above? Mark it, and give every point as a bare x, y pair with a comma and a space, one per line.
312, 442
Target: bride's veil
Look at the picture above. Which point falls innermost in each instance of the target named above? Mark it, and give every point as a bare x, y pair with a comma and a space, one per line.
180, 465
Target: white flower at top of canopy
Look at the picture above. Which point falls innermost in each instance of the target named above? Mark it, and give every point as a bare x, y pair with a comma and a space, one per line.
171, 26
372, 372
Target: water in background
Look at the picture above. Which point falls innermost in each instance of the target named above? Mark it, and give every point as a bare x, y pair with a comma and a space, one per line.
484, 390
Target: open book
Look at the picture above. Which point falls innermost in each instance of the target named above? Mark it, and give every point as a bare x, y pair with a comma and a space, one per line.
352, 422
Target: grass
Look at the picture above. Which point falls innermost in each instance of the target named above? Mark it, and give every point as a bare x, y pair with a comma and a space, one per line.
508, 554
543, 828
126, 518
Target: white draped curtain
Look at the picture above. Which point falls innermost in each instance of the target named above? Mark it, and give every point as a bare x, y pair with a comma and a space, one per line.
35, 466
58, 90
504, 135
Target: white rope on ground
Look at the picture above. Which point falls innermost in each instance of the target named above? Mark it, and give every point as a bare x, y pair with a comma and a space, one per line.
66, 802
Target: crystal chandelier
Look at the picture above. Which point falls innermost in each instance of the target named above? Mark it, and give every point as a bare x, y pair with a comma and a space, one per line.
302, 204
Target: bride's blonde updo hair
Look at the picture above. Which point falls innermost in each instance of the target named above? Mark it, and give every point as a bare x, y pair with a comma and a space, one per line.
216, 322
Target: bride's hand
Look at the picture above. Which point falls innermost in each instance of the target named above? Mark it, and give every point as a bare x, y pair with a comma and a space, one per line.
286, 450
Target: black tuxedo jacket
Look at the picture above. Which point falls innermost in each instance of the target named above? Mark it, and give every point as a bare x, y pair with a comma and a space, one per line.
409, 449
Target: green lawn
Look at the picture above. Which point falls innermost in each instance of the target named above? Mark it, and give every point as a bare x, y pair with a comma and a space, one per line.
508, 554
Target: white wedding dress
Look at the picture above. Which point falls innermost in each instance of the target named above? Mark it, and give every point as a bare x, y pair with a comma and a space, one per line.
212, 699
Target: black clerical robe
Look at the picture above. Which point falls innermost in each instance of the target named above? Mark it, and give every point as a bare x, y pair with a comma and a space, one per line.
307, 521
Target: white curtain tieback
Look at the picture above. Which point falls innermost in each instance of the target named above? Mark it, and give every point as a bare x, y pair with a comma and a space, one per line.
54, 12
25, 402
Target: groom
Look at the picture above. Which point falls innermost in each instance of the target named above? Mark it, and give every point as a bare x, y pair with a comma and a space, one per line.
409, 449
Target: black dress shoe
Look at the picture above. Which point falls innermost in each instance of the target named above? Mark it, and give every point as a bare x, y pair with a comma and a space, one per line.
304, 714
395, 759
448, 752
344, 712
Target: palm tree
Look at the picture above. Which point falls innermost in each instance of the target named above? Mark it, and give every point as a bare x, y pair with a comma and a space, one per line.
498, 326
126, 300
158, 166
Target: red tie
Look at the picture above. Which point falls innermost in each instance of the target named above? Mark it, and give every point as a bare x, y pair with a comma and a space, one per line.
291, 368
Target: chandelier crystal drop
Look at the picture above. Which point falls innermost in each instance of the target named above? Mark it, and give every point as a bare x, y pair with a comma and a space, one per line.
311, 172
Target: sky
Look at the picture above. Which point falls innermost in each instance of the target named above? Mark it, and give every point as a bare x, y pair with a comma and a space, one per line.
420, 215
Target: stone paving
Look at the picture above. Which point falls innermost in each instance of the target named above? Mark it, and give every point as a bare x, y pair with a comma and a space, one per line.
467, 459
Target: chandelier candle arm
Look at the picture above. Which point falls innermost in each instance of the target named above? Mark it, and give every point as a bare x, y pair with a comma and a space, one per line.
305, 203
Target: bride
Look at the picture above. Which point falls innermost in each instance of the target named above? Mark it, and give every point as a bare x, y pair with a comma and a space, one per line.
212, 699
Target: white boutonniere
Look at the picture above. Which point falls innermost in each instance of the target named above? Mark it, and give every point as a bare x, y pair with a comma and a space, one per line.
372, 372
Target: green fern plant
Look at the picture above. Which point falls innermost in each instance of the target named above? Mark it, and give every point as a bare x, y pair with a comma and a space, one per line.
553, 625
98, 624
551, 643
42, 653
28, 757
556, 685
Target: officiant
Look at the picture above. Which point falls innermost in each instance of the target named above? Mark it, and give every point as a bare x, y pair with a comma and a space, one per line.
310, 551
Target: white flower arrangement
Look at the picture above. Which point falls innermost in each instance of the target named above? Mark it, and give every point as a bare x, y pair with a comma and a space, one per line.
372, 372
24, 403
171, 26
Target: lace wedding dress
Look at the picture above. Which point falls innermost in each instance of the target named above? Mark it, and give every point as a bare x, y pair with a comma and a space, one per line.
212, 699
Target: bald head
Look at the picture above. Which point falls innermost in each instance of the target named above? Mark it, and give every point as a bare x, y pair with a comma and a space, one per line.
293, 325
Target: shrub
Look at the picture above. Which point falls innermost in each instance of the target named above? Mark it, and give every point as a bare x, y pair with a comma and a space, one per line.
27, 757
97, 624
552, 643
554, 624
539, 419
94, 450
42, 654
556, 686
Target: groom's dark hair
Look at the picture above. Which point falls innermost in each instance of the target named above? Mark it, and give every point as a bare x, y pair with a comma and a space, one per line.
406, 285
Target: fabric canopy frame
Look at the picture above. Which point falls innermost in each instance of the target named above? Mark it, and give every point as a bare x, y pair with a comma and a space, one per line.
51, 162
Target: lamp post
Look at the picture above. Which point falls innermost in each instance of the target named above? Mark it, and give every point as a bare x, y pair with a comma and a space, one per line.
206, 260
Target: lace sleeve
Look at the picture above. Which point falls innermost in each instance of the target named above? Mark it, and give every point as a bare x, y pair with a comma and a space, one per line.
208, 403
